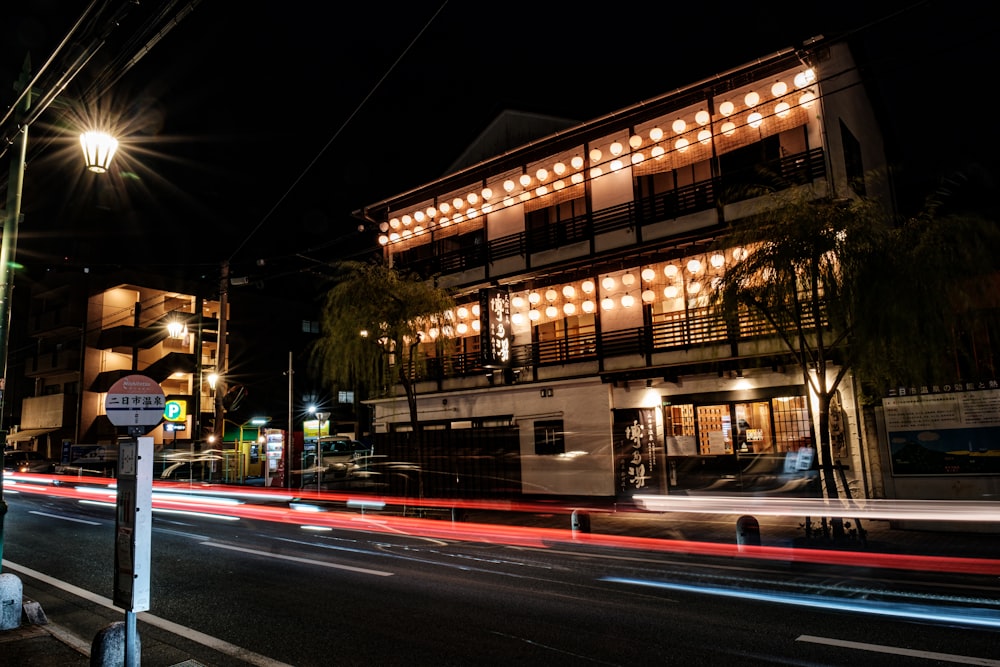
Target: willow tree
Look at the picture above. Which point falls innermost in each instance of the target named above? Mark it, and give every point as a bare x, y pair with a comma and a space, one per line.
371, 325
802, 268
845, 286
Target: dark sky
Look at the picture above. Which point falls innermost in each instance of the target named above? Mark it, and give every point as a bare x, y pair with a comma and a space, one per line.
253, 133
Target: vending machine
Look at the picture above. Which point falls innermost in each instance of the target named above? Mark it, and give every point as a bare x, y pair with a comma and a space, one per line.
274, 451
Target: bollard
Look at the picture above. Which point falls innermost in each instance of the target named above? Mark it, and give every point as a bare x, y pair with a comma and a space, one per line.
580, 522
11, 595
108, 647
747, 531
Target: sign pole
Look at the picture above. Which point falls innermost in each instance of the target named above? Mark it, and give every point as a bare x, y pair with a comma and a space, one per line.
136, 404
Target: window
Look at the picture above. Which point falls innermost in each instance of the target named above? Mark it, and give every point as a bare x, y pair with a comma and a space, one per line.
345, 397
310, 326
566, 338
766, 426
549, 438
748, 167
753, 428
852, 160
464, 356
671, 194
557, 225
791, 423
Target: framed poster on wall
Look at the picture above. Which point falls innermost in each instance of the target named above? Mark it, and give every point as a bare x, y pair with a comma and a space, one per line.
954, 431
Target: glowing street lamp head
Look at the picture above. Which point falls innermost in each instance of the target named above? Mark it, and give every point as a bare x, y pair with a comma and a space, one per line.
98, 149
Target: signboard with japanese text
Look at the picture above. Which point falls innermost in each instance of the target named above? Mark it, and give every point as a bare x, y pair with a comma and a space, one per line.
135, 400
495, 330
639, 455
944, 430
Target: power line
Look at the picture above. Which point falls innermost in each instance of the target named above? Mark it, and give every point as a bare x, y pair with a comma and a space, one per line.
336, 134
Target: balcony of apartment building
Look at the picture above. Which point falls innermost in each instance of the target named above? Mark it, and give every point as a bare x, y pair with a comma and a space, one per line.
162, 352
54, 358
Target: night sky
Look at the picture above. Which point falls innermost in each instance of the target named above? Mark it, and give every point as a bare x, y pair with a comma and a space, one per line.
253, 134
253, 130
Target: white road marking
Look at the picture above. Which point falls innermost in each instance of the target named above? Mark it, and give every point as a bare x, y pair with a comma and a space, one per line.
308, 561
188, 633
895, 650
66, 518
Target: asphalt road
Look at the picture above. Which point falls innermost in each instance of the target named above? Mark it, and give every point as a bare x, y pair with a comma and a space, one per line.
232, 592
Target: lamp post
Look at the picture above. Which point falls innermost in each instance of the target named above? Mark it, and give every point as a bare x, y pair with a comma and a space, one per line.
98, 149
318, 462
213, 381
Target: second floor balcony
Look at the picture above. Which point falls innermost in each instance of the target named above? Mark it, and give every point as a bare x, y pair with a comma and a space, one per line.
698, 336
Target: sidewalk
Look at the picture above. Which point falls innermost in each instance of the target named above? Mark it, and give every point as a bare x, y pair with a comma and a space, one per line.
41, 641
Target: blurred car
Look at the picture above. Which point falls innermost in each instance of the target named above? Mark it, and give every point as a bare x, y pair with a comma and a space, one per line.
338, 459
27, 461
183, 471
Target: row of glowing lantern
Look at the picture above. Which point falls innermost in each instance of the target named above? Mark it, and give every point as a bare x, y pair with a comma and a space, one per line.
399, 228
530, 308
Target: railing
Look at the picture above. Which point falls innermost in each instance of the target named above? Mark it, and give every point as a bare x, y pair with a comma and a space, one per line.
508, 246
614, 218
798, 169
559, 234
699, 329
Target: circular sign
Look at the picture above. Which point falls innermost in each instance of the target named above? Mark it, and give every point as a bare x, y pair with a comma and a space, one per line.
135, 400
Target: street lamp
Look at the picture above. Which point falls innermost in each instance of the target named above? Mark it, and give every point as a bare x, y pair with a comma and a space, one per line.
322, 417
98, 149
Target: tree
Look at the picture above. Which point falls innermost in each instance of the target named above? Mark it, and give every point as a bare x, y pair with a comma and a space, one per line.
371, 325
934, 273
842, 284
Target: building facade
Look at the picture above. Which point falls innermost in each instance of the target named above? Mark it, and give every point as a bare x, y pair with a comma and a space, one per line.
86, 332
598, 240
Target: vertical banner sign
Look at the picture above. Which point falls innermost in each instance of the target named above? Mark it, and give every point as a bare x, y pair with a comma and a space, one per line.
638, 452
494, 332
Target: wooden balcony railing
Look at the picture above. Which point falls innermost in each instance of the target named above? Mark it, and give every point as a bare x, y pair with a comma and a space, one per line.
700, 329
788, 171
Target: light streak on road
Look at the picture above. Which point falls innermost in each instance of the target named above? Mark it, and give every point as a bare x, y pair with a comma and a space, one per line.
313, 504
929, 510
964, 616
297, 559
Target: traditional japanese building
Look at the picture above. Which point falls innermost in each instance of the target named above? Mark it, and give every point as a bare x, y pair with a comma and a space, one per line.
582, 358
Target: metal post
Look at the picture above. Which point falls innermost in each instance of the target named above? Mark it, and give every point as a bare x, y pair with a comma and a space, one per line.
288, 431
8, 249
220, 363
199, 347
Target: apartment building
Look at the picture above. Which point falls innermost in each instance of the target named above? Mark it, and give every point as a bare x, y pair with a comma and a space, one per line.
590, 252
87, 331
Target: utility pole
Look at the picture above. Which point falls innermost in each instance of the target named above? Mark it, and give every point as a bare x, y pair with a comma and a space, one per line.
8, 249
220, 363
289, 439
